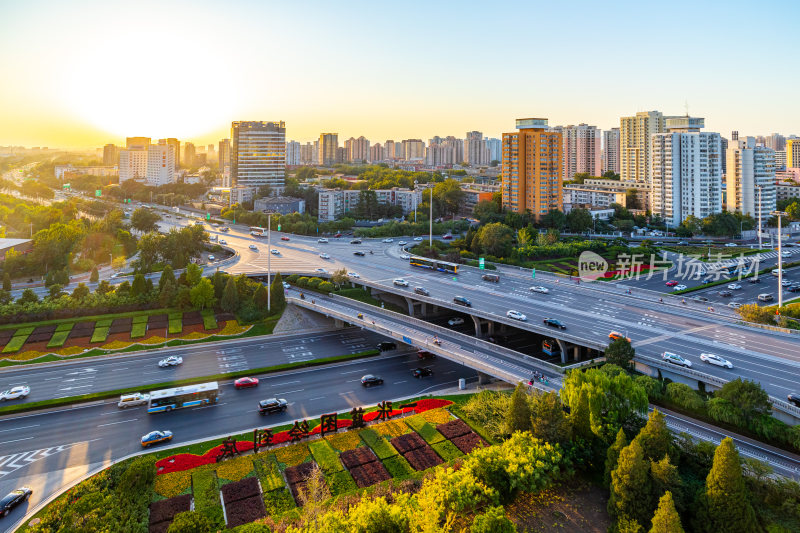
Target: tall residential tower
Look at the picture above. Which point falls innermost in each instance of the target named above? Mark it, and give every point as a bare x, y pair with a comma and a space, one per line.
258, 154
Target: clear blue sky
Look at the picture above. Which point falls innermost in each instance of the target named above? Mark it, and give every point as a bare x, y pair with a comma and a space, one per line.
86, 73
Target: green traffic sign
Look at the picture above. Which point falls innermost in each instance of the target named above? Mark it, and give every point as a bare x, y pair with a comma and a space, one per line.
533, 273
481, 264
208, 216
98, 193
279, 227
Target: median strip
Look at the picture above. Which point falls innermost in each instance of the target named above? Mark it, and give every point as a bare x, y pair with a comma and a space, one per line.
71, 400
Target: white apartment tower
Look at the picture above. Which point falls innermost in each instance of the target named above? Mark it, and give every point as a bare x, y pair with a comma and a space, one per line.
635, 134
160, 163
686, 171
580, 151
357, 149
751, 169
133, 164
475, 150
258, 154
610, 151
293, 153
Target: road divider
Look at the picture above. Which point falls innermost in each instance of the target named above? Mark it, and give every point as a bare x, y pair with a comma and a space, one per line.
83, 398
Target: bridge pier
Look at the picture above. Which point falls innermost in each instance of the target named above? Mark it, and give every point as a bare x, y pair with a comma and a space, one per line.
414, 305
563, 347
484, 379
479, 322
338, 323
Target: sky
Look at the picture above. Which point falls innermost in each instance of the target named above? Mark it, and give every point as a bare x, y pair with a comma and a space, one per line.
81, 74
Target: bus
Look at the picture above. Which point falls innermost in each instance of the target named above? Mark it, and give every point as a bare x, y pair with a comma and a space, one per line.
550, 347
179, 397
433, 264
256, 231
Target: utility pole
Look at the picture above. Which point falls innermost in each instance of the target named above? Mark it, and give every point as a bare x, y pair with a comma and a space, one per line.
779, 214
269, 261
759, 217
430, 240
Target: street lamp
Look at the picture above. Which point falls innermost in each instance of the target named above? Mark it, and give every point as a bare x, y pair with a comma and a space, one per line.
269, 261
779, 214
414, 196
430, 240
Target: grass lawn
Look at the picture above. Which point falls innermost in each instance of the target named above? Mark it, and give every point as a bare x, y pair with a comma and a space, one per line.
64, 321
15, 343
59, 338
209, 320
175, 322
138, 329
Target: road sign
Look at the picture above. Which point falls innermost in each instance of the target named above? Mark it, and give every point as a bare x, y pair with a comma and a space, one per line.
481, 264
98, 193
279, 227
533, 273
208, 216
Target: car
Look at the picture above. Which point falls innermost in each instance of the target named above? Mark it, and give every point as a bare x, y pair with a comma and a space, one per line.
14, 498
322, 240
734, 305
460, 300
245, 383
679, 288
714, 359
424, 354
359, 253
321, 271
725, 294
223, 241
353, 275
285, 238
422, 371
386, 345
683, 243
172, 360
539, 289
671, 283
786, 254
754, 280
402, 243
275, 252
388, 239
400, 282
707, 281
272, 405
554, 323
286, 285
447, 236
785, 282
730, 245
794, 398
516, 315
734, 286
211, 257
355, 241
225, 230
455, 321
494, 278
615, 335
132, 400
405, 256
422, 290
154, 437
676, 359
793, 288
15, 393
700, 299
324, 256
418, 239
166, 216
114, 275
337, 235
370, 380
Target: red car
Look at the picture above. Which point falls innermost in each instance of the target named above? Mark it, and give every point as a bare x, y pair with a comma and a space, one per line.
245, 383
284, 238
671, 283
422, 354
447, 237
338, 235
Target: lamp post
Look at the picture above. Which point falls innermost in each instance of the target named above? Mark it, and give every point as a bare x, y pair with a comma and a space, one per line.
778, 214
430, 239
269, 261
415, 201
759, 217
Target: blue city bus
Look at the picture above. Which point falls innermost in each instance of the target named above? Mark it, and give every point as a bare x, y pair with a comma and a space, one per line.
433, 264
180, 397
550, 347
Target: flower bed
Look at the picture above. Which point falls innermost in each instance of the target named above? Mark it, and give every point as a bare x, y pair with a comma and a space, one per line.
423, 458
292, 455
205, 488
175, 323
269, 473
347, 440
370, 474
454, 429
245, 511
436, 416
357, 457
326, 457
100, 334
447, 450
278, 501
398, 467
209, 320
340, 482
296, 474
173, 484
391, 428
15, 343
239, 490
379, 445
425, 429
165, 510
470, 441
115, 345
138, 330
407, 443
232, 327
235, 469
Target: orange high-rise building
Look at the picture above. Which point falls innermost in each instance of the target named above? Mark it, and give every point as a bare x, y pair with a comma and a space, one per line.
532, 166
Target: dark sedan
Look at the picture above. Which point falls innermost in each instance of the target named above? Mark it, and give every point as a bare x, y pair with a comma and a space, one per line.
359, 253
14, 498
422, 372
554, 323
794, 398
422, 290
369, 380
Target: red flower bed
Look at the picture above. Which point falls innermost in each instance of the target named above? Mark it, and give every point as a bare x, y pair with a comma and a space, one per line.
240, 490
245, 511
357, 457
423, 458
467, 443
454, 428
369, 474
406, 443
165, 510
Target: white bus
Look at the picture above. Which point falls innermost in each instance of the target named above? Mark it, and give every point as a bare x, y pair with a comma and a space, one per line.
179, 397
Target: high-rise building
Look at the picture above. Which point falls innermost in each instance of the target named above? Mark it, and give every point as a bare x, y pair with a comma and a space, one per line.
160, 163
635, 134
293, 153
475, 151
357, 149
258, 154
224, 152
308, 154
724, 151
341, 154
611, 151
375, 153
389, 150
176, 148
751, 168
686, 171
581, 150
133, 163
776, 142
532, 168
328, 143
780, 160
413, 150
495, 147
110, 155
793, 153
142, 142
189, 155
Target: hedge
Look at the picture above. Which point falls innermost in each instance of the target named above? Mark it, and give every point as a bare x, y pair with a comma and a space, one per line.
100, 333
65, 327
398, 467
269, 473
59, 338
209, 320
379, 445
175, 323
326, 457
340, 482
138, 330
27, 330
15, 343
425, 429
447, 450
104, 323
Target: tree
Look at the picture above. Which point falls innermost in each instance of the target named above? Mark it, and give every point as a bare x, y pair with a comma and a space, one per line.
555, 219
632, 199
612, 455
630, 486
123, 289
191, 522
519, 412
620, 352
167, 291
202, 294
6, 282
144, 220
655, 438
193, 274
104, 287
725, 506
579, 220
494, 239
666, 519
28, 297
167, 276
756, 313
339, 277
665, 478
548, 420
260, 297
276, 294
313, 495
230, 296
739, 402
80, 292
138, 287
55, 291
494, 520
793, 210
94, 277
449, 196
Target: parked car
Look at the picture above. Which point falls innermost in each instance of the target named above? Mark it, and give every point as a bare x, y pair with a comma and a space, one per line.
424, 354
714, 359
132, 400
554, 323
539, 289
422, 290
676, 359
14, 498
359, 253
422, 372
154, 437
172, 360
370, 380
272, 405
400, 282
15, 393
516, 315
245, 383
455, 321
386, 345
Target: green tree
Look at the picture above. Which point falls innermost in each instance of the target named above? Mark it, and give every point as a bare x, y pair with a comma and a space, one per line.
612, 455
193, 274
138, 287
631, 494
191, 522
555, 219
739, 402
277, 295
167, 276
756, 313
449, 197
494, 239
167, 292
230, 297
339, 277
725, 506
654, 438
183, 298
80, 292
202, 294
55, 291
260, 298
144, 220
666, 519
493, 520
665, 478
793, 210
579, 220
6, 282
28, 297
519, 411
94, 277
620, 352
123, 289
103, 288
548, 420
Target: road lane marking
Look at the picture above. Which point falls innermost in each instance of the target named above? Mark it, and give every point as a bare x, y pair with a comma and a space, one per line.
15, 440
120, 422
317, 398
352, 371
17, 429
291, 391
285, 383
398, 382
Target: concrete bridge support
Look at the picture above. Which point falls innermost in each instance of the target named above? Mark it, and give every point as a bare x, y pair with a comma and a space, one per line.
479, 323
484, 379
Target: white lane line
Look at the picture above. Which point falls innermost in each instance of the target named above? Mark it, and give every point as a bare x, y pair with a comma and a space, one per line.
285, 383
340, 394
290, 392
76, 387
310, 400
120, 422
15, 440
352, 380
352, 371
17, 429
116, 369
398, 382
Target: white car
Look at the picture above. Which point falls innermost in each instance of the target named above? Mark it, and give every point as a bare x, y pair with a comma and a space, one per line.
400, 282
322, 240
676, 359
286, 285
730, 245
457, 321
417, 239
324, 256
223, 241
734, 305
405, 256
539, 289
786, 254
254, 247
714, 359
679, 287
353, 275
786, 282
402, 243
516, 315
172, 360
734, 286
274, 252
15, 393
322, 271
388, 239
211, 258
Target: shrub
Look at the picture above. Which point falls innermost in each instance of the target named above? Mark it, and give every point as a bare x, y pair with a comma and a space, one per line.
313, 283
292, 279
447, 450
204, 487
425, 430
269, 473
326, 286
684, 396
653, 387
278, 501
303, 281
